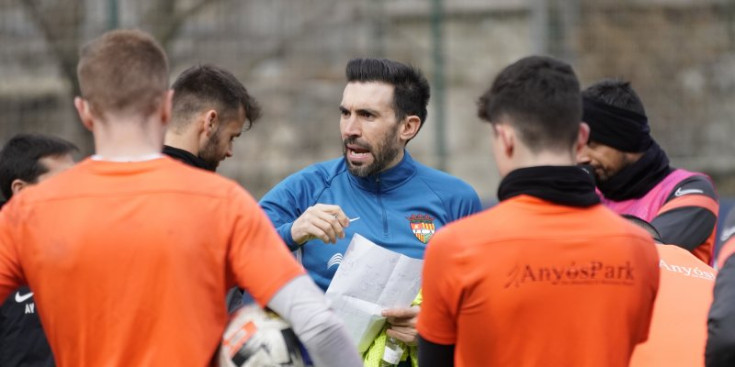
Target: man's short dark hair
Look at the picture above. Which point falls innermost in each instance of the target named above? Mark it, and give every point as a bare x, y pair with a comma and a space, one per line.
19, 158
541, 97
411, 89
615, 92
200, 86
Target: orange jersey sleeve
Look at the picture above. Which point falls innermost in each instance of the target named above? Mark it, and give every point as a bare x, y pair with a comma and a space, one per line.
11, 275
679, 326
441, 290
258, 259
689, 221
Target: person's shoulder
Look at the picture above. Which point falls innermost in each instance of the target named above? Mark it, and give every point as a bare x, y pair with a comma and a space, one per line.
678, 255
58, 185
496, 230
694, 183
695, 189
679, 263
483, 226
434, 175
442, 181
193, 175
170, 176
167, 174
606, 223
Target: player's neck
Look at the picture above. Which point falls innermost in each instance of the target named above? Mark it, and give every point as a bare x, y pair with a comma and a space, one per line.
121, 139
185, 141
543, 158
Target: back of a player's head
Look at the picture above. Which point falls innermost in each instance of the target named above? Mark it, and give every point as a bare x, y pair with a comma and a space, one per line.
411, 93
207, 86
21, 155
539, 96
615, 92
123, 71
645, 225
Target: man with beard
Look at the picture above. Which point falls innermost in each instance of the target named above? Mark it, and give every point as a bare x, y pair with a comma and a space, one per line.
383, 107
633, 172
129, 252
210, 109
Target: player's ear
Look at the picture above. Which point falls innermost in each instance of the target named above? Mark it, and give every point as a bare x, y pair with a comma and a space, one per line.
583, 136
85, 112
211, 119
17, 185
166, 106
507, 138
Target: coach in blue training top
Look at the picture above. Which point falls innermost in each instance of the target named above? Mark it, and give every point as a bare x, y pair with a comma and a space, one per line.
400, 203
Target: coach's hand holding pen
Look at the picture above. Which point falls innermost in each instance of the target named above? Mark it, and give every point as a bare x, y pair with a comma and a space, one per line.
323, 221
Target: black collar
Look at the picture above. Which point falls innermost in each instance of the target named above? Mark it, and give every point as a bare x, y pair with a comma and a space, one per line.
564, 185
185, 157
637, 179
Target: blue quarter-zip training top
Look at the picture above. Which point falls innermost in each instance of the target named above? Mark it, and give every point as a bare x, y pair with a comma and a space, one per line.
399, 209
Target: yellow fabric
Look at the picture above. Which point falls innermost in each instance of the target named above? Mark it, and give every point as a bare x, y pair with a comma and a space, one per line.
374, 354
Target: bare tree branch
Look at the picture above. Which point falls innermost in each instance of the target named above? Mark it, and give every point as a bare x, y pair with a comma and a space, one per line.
61, 36
284, 42
167, 22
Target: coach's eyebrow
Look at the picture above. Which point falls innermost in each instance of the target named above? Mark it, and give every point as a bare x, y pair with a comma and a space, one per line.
367, 112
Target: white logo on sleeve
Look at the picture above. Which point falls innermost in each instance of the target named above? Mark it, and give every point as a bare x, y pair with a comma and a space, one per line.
22, 298
680, 192
335, 260
726, 233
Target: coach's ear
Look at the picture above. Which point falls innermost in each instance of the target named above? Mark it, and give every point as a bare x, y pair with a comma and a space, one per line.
85, 112
410, 127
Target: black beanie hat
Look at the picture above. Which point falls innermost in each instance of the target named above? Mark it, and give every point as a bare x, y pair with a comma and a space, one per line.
619, 128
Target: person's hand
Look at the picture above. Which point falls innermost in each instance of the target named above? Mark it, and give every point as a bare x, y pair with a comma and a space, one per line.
322, 221
403, 324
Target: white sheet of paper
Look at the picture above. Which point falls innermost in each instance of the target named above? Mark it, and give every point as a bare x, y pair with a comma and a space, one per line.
370, 279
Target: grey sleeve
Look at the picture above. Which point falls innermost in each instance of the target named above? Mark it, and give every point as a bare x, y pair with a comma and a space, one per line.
728, 226
720, 350
302, 304
688, 226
